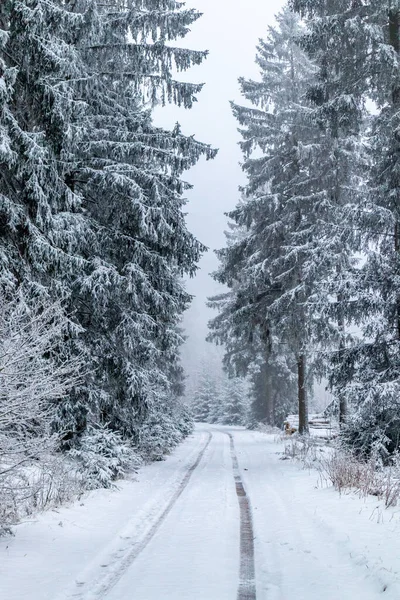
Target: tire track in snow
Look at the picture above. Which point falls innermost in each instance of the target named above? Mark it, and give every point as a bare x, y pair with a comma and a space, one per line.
247, 581
103, 585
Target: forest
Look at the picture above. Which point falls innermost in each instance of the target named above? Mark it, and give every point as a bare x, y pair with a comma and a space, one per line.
93, 244
312, 252
95, 248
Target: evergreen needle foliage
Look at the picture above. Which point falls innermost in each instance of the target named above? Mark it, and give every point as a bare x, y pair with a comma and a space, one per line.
312, 260
92, 201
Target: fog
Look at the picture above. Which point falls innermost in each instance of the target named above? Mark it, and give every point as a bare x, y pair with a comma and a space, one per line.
230, 30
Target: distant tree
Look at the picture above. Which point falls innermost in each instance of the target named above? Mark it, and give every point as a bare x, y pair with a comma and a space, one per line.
235, 403
272, 390
206, 398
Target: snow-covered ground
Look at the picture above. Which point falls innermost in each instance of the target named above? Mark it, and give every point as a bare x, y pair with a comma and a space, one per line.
174, 533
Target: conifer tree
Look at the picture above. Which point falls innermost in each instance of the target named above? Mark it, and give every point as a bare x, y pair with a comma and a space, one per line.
43, 227
272, 389
363, 43
268, 366
42, 223
129, 173
206, 399
235, 402
244, 350
92, 192
270, 263
338, 108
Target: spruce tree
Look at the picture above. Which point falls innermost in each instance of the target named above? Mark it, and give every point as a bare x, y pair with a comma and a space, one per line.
364, 41
272, 389
92, 191
267, 364
206, 398
300, 255
131, 299
43, 228
44, 231
270, 263
235, 402
338, 108
233, 329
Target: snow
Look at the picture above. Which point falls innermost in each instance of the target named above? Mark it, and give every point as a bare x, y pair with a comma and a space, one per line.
172, 533
319, 426
309, 538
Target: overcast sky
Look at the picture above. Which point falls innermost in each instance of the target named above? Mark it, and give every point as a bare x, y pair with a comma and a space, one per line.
230, 30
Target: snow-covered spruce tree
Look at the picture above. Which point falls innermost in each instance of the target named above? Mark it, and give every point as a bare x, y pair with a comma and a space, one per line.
92, 191
42, 224
167, 423
246, 353
338, 108
376, 364
232, 329
301, 251
207, 398
276, 381
129, 174
235, 402
269, 368
43, 228
269, 263
368, 373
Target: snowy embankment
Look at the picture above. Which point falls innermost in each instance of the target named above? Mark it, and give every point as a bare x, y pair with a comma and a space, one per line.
176, 533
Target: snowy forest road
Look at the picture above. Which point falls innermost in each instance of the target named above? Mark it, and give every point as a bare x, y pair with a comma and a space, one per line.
222, 518
195, 554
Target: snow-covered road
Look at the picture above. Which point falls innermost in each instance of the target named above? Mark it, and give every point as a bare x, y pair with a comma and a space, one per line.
184, 531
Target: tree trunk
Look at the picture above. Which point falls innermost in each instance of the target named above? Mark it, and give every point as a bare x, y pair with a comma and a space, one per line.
394, 28
394, 35
343, 408
269, 397
397, 250
302, 395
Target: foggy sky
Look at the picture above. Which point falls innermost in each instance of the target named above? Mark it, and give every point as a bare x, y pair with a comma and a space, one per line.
230, 30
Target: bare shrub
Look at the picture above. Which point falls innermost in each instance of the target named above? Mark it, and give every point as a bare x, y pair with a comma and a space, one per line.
390, 488
34, 375
26, 490
303, 448
346, 472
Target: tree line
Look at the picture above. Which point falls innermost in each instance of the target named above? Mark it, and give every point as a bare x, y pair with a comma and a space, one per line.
93, 241
312, 256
